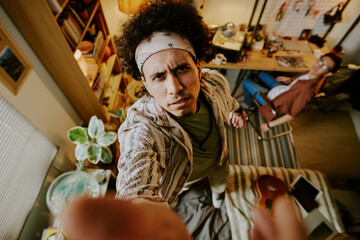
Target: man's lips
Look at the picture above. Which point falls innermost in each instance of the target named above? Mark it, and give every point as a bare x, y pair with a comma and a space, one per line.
179, 101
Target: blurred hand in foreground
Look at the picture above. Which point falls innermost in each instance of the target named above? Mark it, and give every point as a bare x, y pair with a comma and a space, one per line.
110, 219
284, 224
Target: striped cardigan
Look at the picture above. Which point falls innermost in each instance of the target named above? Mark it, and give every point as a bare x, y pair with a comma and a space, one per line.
156, 152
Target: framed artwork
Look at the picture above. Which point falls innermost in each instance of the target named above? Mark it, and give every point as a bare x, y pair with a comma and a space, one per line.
305, 34
14, 67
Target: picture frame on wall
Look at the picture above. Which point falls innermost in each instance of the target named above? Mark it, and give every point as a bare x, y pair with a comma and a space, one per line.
14, 67
305, 34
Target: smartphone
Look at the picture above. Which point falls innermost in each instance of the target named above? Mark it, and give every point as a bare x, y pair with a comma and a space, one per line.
305, 193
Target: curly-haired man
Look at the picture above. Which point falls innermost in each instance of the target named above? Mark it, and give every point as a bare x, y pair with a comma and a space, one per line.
174, 137
173, 142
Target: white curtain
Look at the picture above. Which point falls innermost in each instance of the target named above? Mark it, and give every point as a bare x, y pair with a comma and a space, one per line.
25, 157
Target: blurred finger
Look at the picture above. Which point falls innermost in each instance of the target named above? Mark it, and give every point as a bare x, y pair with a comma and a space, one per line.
288, 223
263, 225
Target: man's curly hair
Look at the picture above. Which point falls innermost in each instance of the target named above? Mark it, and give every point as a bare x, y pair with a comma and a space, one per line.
171, 16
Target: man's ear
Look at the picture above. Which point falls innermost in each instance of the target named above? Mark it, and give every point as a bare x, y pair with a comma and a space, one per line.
198, 65
143, 81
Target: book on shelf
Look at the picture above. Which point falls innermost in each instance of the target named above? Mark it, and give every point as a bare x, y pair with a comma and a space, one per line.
110, 65
73, 28
114, 82
67, 18
70, 32
92, 71
69, 40
76, 16
75, 20
90, 61
75, 24
54, 6
107, 67
98, 86
120, 101
110, 90
98, 45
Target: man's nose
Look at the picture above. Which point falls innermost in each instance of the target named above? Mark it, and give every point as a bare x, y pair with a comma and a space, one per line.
174, 85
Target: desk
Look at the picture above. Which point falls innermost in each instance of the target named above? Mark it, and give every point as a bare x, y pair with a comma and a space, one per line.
258, 60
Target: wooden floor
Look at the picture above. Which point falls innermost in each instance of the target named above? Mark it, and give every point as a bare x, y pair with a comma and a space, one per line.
328, 142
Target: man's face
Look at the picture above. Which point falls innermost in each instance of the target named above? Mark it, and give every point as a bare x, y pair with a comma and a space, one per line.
322, 66
173, 79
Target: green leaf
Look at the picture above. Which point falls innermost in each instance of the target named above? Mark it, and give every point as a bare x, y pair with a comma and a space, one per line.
80, 165
106, 155
81, 151
120, 113
94, 152
101, 128
78, 135
96, 127
107, 139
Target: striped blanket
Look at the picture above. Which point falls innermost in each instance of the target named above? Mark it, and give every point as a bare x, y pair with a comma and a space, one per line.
241, 196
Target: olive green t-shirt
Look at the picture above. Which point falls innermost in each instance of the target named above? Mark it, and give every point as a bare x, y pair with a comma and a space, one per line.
205, 138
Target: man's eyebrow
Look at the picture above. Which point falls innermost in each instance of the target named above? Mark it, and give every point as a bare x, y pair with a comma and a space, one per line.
179, 65
156, 74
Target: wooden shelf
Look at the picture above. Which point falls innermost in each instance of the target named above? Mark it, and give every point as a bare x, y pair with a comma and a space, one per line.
38, 25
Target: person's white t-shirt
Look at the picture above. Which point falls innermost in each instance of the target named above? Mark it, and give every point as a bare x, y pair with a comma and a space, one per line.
276, 91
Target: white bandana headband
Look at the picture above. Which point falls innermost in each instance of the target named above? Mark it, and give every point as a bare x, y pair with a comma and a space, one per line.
160, 41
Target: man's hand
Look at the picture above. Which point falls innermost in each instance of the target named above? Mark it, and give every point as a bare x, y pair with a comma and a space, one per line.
238, 119
283, 225
264, 127
283, 79
111, 219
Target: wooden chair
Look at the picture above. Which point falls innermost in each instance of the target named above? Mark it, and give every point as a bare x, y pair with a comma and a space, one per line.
257, 130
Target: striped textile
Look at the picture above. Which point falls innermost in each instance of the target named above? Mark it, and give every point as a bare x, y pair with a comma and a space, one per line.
241, 189
246, 149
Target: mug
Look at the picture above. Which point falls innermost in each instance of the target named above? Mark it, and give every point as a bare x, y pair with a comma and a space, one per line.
219, 59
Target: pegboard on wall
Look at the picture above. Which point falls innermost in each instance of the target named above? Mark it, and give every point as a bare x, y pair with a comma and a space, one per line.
295, 16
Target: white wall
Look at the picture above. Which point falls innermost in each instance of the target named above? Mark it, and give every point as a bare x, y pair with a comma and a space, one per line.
41, 101
351, 44
214, 12
220, 12
113, 17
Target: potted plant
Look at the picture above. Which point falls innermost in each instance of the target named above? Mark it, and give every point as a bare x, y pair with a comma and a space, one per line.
92, 143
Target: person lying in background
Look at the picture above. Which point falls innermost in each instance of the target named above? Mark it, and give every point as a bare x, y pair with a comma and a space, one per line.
288, 96
111, 219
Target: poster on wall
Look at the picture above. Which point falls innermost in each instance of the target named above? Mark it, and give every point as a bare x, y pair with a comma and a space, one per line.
14, 67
